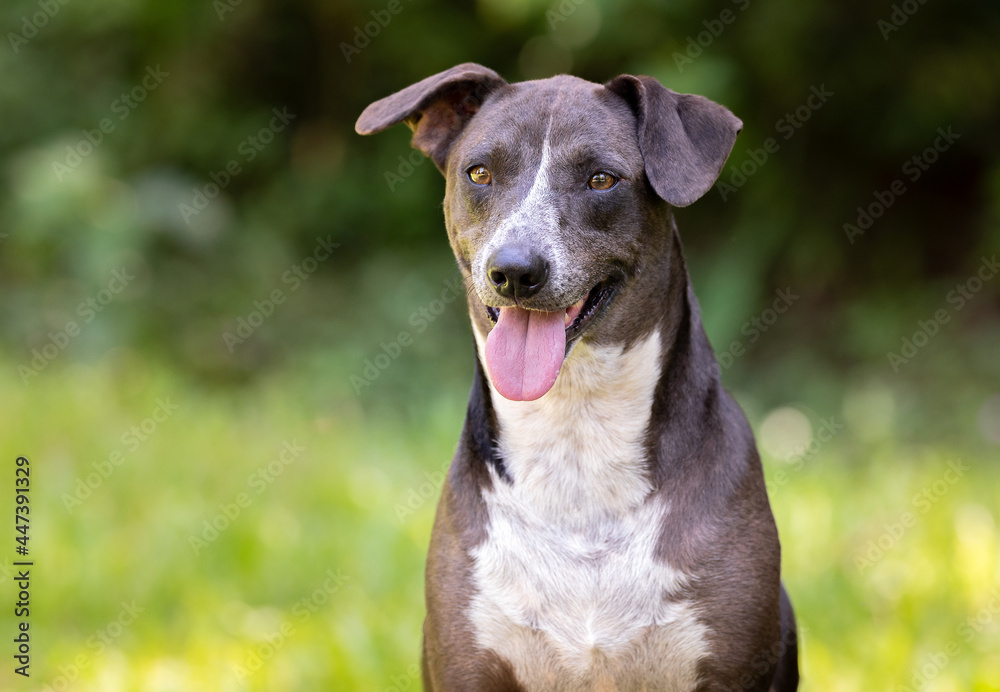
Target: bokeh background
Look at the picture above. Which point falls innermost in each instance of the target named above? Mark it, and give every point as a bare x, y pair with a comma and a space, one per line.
231, 348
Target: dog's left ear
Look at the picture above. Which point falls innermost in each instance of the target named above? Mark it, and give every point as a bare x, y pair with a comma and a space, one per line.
436, 108
684, 139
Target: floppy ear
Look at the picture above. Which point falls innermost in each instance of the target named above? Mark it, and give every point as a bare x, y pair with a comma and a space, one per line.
684, 139
436, 108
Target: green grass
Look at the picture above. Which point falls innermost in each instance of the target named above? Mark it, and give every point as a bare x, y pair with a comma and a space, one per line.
351, 504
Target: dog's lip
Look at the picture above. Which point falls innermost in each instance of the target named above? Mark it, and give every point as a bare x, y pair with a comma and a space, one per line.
592, 306
582, 312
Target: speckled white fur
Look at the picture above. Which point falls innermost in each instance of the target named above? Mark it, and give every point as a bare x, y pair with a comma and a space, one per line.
566, 585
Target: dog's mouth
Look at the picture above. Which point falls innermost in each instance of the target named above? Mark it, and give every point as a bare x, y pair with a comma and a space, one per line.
526, 348
578, 315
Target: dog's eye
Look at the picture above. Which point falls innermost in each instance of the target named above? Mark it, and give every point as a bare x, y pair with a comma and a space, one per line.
602, 181
480, 175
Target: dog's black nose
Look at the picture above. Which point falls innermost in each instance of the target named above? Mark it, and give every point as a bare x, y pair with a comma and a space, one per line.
517, 272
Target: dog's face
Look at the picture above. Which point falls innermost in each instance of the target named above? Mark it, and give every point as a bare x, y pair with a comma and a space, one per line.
558, 198
547, 208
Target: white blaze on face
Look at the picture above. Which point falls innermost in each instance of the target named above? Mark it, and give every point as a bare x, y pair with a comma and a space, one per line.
534, 218
525, 349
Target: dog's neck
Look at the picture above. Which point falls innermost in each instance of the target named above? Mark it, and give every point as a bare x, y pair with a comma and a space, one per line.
582, 450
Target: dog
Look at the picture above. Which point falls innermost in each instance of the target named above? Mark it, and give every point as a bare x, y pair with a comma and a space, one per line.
604, 524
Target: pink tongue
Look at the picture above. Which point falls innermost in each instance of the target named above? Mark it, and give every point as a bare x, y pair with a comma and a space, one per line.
524, 352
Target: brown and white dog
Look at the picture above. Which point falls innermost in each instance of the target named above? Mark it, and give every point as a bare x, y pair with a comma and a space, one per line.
604, 524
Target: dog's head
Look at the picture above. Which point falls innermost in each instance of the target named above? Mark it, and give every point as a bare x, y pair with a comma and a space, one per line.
557, 202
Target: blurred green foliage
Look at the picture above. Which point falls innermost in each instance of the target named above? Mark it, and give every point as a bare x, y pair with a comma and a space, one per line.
227, 66
236, 594
164, 233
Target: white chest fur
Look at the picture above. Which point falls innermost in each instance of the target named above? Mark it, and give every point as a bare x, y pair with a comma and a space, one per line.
567, 588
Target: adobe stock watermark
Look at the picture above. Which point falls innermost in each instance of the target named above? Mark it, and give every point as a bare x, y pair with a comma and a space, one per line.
254, 657
756, 326
417, 497
419, 319
293, 277
405, 169
402, 683
122, 106
248, 149
913, 168
957, 298
30, 26
768, 656
257, 482
87, 310
131, 440
981, 619
697, 44
97, 645
934, 663
363, 35
900, 14
786, 126
876, 548
224, 7
563, 11
930, 667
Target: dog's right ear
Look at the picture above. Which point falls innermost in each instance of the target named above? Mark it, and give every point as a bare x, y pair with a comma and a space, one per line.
436, 108
684, 139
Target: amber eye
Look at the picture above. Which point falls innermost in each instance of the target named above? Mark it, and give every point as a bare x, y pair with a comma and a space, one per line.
480, 175
602, 181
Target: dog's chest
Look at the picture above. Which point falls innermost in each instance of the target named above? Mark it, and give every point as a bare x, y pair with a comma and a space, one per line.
567, 588
583, 608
